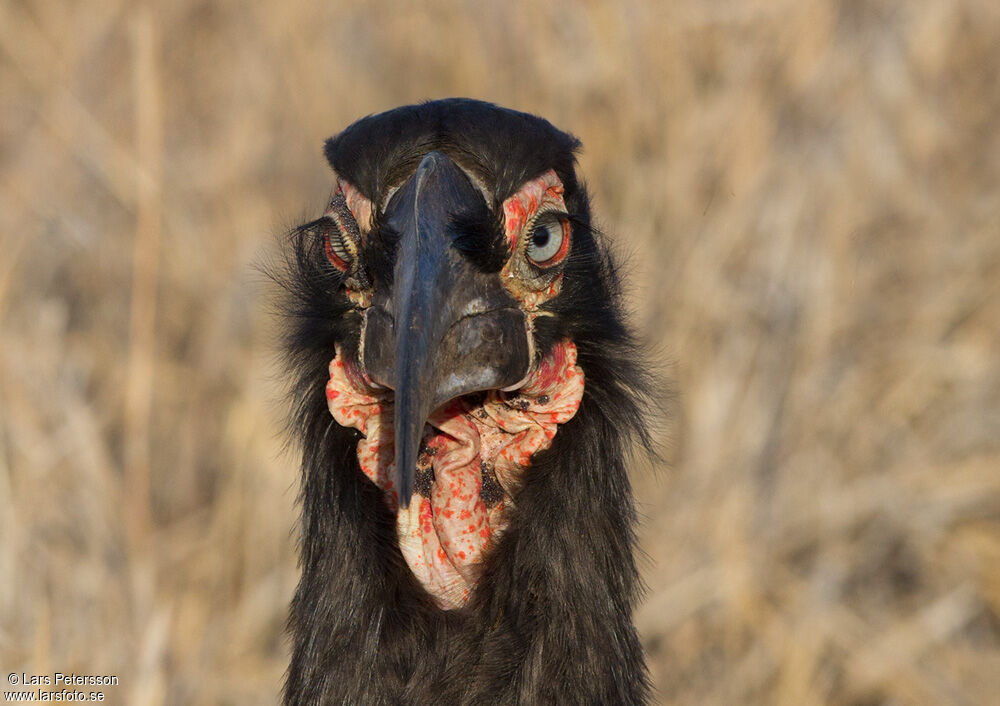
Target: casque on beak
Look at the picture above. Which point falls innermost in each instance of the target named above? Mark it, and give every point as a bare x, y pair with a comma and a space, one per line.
447, 329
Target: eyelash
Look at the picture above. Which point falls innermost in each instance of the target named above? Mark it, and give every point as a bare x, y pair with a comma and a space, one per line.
335, 246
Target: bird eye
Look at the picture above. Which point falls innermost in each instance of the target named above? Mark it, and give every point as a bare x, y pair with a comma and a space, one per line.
334, 244
548, 242
340, 233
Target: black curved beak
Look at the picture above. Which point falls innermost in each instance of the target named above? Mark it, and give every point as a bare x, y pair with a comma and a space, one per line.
447, 329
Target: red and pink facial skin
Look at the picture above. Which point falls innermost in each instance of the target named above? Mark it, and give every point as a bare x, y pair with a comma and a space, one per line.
361, 210
449, 527
453, 521
537, 196
359, 205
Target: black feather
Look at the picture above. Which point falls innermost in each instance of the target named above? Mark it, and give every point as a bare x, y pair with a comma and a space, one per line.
503, 147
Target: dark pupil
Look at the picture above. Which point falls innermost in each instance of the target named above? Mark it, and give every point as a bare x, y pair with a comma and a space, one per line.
540, 238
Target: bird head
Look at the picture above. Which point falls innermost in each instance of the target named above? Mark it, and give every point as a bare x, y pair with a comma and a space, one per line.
455, 253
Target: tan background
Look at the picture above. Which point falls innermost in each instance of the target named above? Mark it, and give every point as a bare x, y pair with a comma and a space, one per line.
809, 197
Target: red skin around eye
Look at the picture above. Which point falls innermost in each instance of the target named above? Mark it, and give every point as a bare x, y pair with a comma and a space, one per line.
361, 211
522, 206
335, 259
536, 196
359, 206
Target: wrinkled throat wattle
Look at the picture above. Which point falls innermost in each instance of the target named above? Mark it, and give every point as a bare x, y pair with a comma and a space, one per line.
475, 452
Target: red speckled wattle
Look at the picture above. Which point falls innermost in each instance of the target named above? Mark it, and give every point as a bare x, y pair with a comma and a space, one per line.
469, 468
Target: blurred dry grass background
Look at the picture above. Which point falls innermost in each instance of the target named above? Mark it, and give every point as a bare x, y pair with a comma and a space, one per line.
810, 196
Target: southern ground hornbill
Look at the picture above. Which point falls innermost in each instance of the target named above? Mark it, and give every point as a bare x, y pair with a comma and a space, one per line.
466, 392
